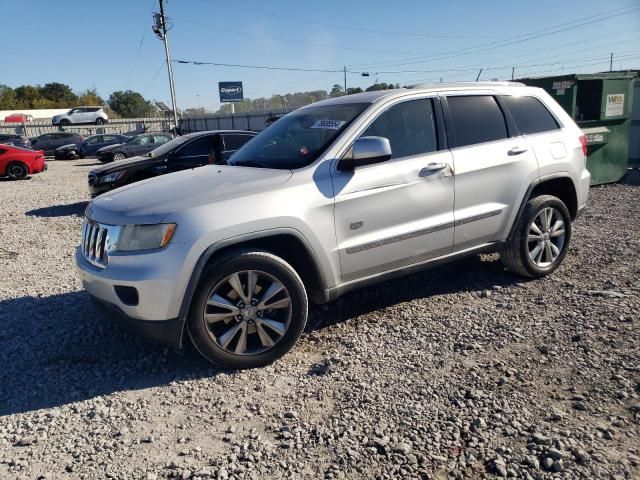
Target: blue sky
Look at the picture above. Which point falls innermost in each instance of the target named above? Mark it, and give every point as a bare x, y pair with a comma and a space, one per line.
86, 43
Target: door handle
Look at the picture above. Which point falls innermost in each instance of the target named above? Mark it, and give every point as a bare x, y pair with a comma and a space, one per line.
433, 168
516, 151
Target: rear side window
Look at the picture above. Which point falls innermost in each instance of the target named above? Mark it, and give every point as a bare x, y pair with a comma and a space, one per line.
161, 139
530, 115
476, 119
409, 126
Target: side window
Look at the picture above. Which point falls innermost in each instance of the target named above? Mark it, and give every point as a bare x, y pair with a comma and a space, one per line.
144, 140
93, 140
530, 115
198, 147
409, 126
234, 142
160, 139
45, 138
108, 138
476, 119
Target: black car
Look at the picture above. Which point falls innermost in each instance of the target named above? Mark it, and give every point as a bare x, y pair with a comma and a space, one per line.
15, 140
138, 145
89, 147
50, 141
181, 153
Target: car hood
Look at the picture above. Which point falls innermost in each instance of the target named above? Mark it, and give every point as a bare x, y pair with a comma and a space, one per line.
152, 200
68, 146
123, 164
109, 148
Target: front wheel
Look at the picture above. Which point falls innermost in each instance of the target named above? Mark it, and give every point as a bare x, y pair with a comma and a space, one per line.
249, 310
119, 156
64, 122
17, 171
100, 121
541, 238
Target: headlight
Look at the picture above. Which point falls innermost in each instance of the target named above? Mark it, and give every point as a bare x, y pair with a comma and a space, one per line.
145, 237
112, 177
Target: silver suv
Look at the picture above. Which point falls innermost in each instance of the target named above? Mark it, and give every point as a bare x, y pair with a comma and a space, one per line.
331, 197
79, 115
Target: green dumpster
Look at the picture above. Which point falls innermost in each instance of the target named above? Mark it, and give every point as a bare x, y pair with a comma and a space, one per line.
601, 104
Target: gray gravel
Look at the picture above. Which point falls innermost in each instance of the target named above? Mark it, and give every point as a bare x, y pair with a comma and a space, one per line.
464, 371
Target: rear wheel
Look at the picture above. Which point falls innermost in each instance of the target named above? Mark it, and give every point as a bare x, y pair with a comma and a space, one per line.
17, 171
249, 310
541, 239
64, 122
119, 156
99, 121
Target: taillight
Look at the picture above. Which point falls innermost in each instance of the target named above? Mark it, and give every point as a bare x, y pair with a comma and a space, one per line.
583, 142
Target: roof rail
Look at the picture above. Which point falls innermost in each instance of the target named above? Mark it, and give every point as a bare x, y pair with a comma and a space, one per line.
468, 84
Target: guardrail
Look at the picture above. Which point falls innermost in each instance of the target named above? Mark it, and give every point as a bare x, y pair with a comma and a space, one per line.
128, 125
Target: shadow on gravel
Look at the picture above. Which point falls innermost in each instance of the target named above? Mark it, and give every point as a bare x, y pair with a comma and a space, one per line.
60, 349
59, 210
632, 177
95, 164
473, 274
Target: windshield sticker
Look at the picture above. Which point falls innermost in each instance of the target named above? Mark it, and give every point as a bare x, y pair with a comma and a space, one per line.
328, 124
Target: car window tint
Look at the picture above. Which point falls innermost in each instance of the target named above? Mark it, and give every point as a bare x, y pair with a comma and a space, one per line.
44, 138
476, 119
234, 142
530, 115
108, 138
161, 138
93, 140
199, 147
144, 140
409, 126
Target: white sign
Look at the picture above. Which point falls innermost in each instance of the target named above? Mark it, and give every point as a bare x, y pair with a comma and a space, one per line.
615, 105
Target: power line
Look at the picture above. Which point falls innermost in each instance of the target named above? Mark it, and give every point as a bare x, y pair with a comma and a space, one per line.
154, 77
345, 27
512, 40
285, 40
260, 67
135, 62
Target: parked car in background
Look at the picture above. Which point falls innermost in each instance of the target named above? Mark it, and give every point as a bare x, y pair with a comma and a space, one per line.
15, 140
89, 146
189, 151
18, 163
334, 196
50, 141
80, 115
138, 145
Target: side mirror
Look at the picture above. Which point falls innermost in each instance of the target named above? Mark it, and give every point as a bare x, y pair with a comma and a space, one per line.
367, 151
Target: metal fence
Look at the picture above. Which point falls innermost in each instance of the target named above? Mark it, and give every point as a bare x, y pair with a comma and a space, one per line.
128, 125
239, 121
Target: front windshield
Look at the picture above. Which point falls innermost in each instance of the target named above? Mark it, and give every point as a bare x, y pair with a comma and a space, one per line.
170, 145
297, 139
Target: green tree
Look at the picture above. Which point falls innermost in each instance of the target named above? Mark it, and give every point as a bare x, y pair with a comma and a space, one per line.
27, 96
130, 104
90, 97
8, 99
336, 91
59, 94
352, 90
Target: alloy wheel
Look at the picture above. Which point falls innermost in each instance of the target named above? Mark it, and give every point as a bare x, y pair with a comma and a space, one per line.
546, 237
248, 312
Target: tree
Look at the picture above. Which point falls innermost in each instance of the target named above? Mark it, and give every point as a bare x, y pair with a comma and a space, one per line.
380, 86
90, 97
8, 99
130, 104
336, 91
352, 90
58, 94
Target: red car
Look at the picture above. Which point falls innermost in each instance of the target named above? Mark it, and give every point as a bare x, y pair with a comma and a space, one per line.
17, 163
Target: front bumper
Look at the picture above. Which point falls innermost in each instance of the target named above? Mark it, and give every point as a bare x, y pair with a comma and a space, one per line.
167, 332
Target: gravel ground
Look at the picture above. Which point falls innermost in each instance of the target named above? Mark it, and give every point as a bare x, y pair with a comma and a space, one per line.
464, 371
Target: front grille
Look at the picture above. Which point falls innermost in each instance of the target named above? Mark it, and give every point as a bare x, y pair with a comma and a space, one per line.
97, 241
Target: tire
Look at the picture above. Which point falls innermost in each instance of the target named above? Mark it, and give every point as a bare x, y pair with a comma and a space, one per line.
99, 121
119, 156
535, 249
17, 171
64, 122
220, 337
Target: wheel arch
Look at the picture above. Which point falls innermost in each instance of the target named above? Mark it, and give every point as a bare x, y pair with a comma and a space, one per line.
21, 162
560, 185
286, 243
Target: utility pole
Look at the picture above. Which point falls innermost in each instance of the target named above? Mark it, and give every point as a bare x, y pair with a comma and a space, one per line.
513, 70
479, 73
160, 29
611, 63
345, 80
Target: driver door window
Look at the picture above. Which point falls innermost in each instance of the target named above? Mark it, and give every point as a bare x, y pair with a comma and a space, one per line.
194, 154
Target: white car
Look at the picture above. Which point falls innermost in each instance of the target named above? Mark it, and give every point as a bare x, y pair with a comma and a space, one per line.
78, 115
